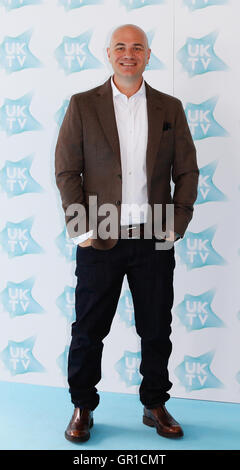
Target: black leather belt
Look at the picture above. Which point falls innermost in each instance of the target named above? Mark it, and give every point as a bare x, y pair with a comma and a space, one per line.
134, 231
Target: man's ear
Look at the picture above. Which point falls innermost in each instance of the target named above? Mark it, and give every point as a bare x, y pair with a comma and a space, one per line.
149, 53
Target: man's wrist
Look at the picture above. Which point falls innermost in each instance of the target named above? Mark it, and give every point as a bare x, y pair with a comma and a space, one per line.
177, 236
82, 238
172, 236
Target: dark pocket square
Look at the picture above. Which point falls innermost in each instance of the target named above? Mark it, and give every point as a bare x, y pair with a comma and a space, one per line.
166, 126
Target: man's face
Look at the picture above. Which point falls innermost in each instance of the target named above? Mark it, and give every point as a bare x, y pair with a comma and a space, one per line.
128, 53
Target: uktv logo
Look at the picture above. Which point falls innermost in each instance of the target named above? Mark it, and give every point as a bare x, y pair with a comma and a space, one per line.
73, 54
154, 63
195, 311
197, 56
194, 373
125, 309
197, 4
16, 239
17, 299
15, 116
196, 251
201, 120
59, 115
15, 54
15, 178
207, 191
66, 303
128, 368
133, 4
71, 4
66, 246
12, 4
62, 361
18, 357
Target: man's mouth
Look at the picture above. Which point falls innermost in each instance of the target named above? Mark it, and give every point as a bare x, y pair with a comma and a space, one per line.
127, 64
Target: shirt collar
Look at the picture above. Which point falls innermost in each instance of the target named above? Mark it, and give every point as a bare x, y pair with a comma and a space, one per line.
116, 91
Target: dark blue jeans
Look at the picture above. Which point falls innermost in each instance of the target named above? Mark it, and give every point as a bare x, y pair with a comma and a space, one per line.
100, 276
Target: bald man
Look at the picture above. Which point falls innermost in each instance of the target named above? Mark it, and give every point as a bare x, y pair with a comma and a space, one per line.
121, 143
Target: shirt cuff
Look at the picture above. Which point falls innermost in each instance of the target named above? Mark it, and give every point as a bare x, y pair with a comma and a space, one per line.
82, 238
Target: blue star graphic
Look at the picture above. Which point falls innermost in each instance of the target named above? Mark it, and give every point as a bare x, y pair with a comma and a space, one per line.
207, 191
17, 298
15, 54
194, 373
196, 250
15, 178
128, 368
195, 311
15, 116
71, 4
18, 357
66, 246
13, 4
197, 56
73, 54
133, 4
16, 239
197, 4
201, 120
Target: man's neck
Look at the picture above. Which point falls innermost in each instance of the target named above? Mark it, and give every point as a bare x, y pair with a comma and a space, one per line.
128, 88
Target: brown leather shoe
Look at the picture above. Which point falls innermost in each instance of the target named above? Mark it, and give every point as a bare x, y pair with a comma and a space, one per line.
78, 428
165, 424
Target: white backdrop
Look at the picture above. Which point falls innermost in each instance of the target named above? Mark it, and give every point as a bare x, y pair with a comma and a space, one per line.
50, 50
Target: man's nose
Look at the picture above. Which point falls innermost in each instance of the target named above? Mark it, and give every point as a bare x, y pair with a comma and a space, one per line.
129, 53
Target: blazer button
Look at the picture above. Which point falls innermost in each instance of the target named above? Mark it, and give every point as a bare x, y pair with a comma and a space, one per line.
118, 203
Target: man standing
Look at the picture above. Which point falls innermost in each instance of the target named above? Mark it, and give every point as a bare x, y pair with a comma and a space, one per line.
121, 143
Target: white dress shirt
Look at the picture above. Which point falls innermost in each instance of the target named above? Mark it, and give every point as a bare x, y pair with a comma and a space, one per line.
132, 126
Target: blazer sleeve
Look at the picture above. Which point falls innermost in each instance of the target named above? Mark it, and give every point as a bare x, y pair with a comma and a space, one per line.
185, 172
69, 165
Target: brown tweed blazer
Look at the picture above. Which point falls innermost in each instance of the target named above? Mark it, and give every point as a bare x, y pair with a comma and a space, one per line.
87, 158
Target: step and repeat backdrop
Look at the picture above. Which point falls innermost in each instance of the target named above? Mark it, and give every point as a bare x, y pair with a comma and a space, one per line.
49, 50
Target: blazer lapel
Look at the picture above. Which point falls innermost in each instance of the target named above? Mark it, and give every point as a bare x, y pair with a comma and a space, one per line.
105, 110
107, 119
155, 125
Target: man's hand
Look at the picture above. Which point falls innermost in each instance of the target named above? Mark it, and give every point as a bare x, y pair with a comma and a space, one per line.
172, 236
87, 242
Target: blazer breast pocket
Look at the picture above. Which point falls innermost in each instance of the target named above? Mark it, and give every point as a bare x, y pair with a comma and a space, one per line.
167, 132
167, 137
166, 126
